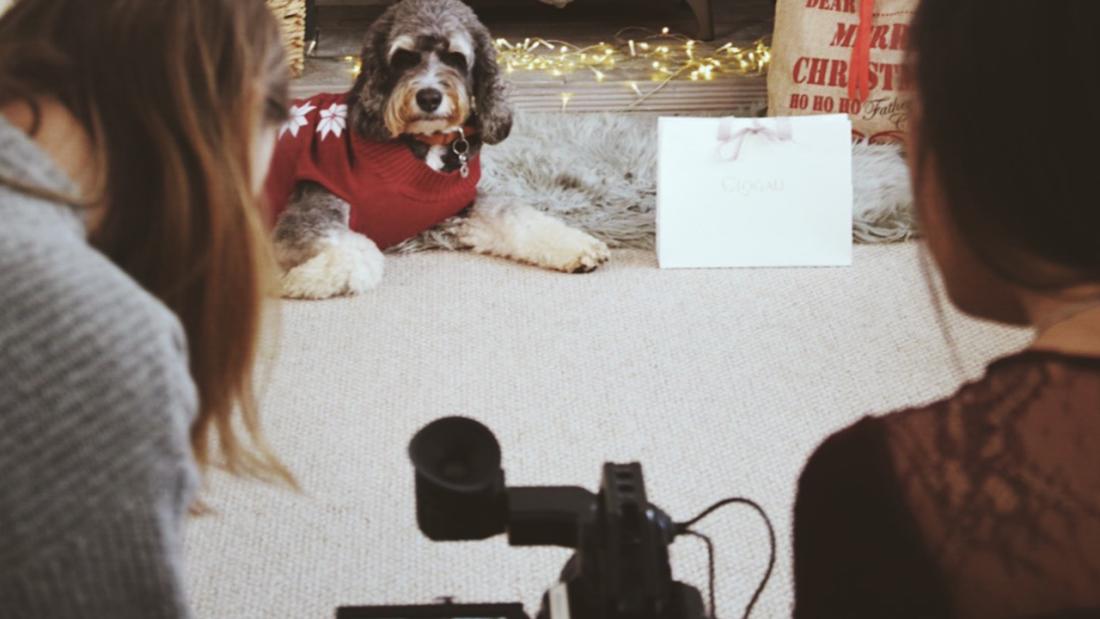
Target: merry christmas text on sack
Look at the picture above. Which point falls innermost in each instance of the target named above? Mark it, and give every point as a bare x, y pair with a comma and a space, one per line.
844, 57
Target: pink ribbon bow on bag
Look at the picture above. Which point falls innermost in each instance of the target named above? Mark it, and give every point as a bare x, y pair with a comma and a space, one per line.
731, 142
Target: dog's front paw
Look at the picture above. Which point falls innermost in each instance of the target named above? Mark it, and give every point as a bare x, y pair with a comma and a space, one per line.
352, 266
575, 252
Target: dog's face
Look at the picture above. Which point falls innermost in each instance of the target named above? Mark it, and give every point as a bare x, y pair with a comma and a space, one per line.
428, 66
432, 83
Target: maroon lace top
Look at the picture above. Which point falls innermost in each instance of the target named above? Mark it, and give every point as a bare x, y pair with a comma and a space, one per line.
983, 505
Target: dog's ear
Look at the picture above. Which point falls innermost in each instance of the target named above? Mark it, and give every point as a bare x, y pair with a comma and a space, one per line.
494, 112
368, 95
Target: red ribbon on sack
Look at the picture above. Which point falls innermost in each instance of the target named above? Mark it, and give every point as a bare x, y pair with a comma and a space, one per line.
859, 86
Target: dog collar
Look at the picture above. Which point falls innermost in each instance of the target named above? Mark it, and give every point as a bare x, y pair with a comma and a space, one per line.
445, 138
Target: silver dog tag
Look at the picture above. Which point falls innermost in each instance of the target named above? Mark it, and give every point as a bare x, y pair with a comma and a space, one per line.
461, 147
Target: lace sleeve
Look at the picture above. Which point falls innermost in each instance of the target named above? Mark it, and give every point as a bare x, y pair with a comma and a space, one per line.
1003, 481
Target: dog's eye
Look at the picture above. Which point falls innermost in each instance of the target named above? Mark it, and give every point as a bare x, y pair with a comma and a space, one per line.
454, 59
404, 59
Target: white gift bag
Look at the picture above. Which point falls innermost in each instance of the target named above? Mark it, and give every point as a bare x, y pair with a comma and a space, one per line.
761, 192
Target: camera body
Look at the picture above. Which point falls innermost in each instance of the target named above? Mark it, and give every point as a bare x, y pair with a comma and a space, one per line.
620, 569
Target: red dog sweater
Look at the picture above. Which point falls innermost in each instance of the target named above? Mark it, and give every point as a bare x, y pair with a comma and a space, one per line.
393, 194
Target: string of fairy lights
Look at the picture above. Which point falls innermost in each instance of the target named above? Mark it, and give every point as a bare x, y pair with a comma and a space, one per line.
643, 60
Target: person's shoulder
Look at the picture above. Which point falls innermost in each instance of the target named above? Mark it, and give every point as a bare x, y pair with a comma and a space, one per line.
1014, 376
847, 454
96, 397
847, 479
853, 470
857, 549
1009, 381
71, 319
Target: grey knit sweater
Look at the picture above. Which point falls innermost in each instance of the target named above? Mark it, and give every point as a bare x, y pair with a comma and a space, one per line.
95, 403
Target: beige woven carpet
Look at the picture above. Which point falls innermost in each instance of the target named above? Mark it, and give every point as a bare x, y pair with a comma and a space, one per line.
720, 382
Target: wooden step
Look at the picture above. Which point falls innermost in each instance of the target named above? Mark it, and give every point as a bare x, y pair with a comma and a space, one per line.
728, 94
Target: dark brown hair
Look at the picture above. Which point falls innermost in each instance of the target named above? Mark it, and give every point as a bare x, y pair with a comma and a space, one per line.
1009, 103
170, 92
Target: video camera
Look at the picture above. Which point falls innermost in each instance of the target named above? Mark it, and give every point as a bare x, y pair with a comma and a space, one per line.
620, 569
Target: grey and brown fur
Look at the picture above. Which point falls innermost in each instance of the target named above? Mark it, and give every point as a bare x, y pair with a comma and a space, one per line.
421, 53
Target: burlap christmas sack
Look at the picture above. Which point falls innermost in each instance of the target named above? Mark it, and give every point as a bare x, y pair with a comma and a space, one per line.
843, 57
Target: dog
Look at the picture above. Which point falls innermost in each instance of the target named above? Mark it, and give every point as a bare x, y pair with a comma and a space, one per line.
357, 173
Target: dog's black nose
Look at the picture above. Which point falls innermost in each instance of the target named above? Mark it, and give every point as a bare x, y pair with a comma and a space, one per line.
429, 99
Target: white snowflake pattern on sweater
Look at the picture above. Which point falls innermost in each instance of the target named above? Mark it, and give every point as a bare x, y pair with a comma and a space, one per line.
333, 120
297, 119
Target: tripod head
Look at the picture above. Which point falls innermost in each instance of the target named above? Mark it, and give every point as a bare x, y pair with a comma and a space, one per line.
620, 569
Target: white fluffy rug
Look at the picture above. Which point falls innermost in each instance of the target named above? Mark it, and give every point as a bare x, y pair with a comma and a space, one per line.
598, 172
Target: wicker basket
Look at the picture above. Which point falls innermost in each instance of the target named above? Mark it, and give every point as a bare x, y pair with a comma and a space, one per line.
292, 18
